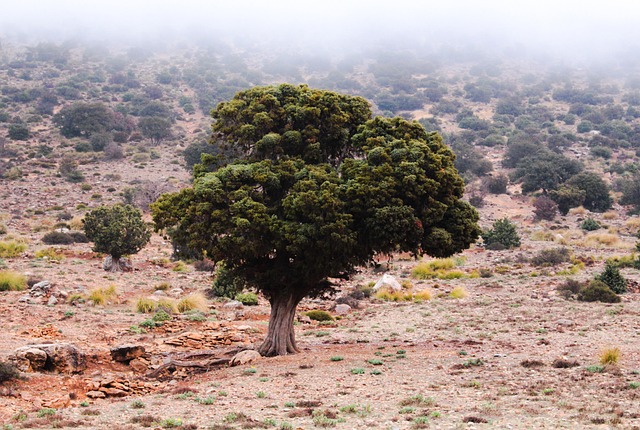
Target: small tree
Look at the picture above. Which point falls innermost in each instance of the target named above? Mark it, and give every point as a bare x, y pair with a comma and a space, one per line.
116, 230
597, 198
83, 119
567, 197
502, 235
613, 279
155, 128
18, 132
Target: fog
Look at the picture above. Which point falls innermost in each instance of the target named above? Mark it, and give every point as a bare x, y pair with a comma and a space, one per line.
559, 28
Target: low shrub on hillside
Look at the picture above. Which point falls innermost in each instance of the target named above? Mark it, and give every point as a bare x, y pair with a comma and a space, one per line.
64, 238
247, 299
612, 278
12, 281
319, 315
551, 257
590, 224
503, 234
569, 288
11, 248
597, 291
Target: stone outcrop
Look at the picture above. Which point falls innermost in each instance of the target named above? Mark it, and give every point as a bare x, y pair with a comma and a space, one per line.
55, 357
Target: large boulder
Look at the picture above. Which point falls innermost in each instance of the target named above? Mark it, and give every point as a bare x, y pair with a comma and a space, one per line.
57, 357
126, 353
244, 357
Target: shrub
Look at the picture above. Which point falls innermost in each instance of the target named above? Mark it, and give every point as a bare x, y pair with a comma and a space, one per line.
612, 278
160, 316
57, 238
50, 254
569, 288
545, 208
503, 233
8, 372
551, 257
247, 299
167, 305
12, 281
318, 315
193, 301
597, 291
11, 248
496, 184
590, 224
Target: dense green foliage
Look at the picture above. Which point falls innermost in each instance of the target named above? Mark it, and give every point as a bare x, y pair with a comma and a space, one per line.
116, 230
322, 189
597, 291
84, 119
503, 235
597, 198
613, 279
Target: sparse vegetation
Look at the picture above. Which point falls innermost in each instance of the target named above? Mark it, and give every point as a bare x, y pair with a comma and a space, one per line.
12, 281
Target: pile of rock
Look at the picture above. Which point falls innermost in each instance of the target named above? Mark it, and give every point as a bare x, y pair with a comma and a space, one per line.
110, 386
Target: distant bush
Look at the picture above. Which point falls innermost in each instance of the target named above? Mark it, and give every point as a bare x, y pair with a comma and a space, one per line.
247, 299
612, 278
569, 288
545, 208
64, 238
496, 184
8, 372
503, 232
590, 224
12, 281
18, 132
597, 291
551, 257
596, 190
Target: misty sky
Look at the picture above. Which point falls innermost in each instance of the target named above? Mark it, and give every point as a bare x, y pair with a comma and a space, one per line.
560, 25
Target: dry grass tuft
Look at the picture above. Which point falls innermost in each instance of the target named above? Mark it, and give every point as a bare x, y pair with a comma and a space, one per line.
12, 248
145, 305
577, 211
610, 215
101, 296
609, 356
12, 281
458, 293
193, 301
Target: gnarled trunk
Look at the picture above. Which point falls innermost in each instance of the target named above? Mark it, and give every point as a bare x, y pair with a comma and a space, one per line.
281, 339
116, 264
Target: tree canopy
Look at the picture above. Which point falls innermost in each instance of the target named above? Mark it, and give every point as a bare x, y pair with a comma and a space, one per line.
321, 188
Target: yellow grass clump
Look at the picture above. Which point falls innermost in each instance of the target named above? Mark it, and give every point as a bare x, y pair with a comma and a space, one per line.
610, 215
12, 281
167, 305
609, 356
102, 296
458, 293
602, 239
50, 254
577, 211
403, 295
76, 223
145, 305
193, 301
442, 268
12, 248
633, 224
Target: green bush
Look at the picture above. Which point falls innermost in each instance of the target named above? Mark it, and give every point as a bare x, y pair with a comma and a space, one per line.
226, 284
12, 281
503, 233
597, 291
569, 288
590, 224
247, 299
612, 278
318, 315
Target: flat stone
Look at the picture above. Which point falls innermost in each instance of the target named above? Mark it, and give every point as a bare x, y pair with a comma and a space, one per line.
57, 403
126, 353
52, 301
113, 392
389, 282
233, 304
96, 395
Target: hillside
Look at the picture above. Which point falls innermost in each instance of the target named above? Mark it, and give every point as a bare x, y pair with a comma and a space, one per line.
491, 340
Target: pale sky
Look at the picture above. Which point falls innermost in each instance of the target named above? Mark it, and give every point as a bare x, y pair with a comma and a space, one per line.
571, 25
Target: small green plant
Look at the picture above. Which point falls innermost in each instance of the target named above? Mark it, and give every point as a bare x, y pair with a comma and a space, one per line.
357, 371
50, 254
180, 266
138, 404
407, 410
261, 394
12, 281
596, 368
247, 299
375, 361
250, 371
289, 405
336, 358
473, 362
376, 372
417, 400
161, 315
589, 224
46, 412
206, 400
634, 385
170, 423
319, 315
609, 356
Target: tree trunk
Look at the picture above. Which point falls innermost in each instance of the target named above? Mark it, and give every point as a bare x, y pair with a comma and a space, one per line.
281, 338
116, 264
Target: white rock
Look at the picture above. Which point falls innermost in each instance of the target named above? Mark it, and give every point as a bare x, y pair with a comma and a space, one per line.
233, 304
244, 357
387, 281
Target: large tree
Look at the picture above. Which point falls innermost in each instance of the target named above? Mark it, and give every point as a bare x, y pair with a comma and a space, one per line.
321, 189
